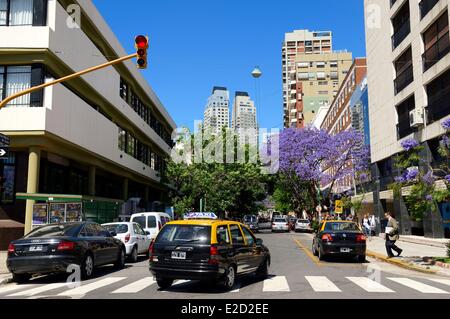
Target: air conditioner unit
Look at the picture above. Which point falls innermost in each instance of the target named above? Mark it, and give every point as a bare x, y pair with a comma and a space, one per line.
416, 118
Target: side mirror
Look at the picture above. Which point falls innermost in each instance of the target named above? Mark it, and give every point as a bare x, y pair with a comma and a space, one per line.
259, 241
147, 233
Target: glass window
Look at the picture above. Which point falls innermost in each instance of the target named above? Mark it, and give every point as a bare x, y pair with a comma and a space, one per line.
2, 76
185, 233
18, 78
131, 147
140, 220
249, 237
117, 228
68, 230
21, 13
122, 140
123, 89
223, 237
236, 235
341, 227
3, 11
151, 222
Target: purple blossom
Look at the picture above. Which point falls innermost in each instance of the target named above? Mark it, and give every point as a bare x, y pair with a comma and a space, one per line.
447, 178
446, 124
399, 179
429, 198
410, 144
429, 178
411, 174
445, 141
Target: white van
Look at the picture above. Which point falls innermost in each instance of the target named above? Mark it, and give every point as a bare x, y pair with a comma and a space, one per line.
151, 222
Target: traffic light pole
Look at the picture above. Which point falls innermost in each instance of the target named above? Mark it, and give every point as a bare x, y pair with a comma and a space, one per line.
66, 78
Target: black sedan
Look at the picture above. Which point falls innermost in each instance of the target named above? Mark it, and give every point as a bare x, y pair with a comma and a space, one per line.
53, 248
339, 238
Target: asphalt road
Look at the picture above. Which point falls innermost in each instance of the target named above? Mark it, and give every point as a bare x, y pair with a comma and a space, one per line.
295, 274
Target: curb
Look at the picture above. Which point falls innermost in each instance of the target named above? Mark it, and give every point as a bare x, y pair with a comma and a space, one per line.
5, 280
400, 263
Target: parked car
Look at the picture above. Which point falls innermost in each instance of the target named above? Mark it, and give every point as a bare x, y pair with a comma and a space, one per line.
264, 224
52, 248
281, 224
302, 225
339, 238
207, 250
251, 221
151, 222
134, 238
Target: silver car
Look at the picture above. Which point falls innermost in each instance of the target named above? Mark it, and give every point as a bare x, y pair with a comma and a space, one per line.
280, 224
302, 225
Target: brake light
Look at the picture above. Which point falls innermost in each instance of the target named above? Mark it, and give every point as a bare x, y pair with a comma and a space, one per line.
327, 238
66, 245
213, 256
11, 248
361, 239
127, 238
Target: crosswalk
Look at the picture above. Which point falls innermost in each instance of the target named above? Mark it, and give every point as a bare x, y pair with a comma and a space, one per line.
274, 284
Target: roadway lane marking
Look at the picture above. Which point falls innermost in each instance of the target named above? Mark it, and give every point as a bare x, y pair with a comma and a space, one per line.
276, 284
322, 284
38, 290
8, 289
136, 286
90, 287
441, 281
369, 285
423, 288
308, 253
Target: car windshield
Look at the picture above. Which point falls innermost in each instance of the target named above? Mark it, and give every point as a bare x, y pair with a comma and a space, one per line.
117, 228
185, 233
341, 226
69, 230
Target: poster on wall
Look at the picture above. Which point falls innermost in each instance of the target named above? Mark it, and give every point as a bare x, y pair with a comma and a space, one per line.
73, 213
40, 214
57, 213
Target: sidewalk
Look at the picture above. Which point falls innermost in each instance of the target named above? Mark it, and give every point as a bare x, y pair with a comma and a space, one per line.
415, 251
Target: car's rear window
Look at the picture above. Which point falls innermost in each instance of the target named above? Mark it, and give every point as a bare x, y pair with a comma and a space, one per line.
70, 230
303, 221
151, 222
184, 233
341, 226
117, 228
280, 220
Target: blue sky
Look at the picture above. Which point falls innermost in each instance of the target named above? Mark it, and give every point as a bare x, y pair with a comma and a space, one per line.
195, 45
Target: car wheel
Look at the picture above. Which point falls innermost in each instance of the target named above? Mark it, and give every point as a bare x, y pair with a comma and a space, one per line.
120, 263
263, 270
87, 267
134, 255
230, 278
314, 251
21, 278
164, 283
321, 255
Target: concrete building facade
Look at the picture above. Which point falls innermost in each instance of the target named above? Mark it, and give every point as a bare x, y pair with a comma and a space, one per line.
409, 92
104, 135
244, 119
217, 111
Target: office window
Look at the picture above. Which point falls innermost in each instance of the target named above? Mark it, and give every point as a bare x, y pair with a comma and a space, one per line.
403, 110
3, 11
122, 140
124, 90
436, 42
23, 12
15, 79
131, 145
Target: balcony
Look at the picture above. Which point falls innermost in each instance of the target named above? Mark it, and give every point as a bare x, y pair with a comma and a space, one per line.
400, 34
425, 6
436, 52
438, 107
404, 79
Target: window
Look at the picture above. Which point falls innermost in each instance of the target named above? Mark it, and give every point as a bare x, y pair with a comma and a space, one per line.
436, 42
249, 237
438, 92
124, 90
122, 140
13, 80
7, 180
320, 65
404, 70
131, 145
236, 235
3, 12
334, 76
23, 12
223, 237
401, 24
403, 110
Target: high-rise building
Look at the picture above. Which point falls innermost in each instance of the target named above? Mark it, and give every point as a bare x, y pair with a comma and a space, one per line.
312, 74
244, 119
100, 139
217, 111
408, 58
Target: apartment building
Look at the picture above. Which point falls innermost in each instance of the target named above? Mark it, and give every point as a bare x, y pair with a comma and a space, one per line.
312, 73
244, 119
217, 110
409, 91
86, 145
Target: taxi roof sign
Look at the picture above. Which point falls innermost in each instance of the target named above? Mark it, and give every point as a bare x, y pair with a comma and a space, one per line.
200, 216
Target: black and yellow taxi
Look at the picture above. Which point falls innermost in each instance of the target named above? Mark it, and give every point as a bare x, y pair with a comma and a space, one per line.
339, 238
208, 250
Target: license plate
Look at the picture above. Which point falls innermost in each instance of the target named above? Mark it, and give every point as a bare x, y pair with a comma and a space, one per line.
345, 250
179, 255
36, 248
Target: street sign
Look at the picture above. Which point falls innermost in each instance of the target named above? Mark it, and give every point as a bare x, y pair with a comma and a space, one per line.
4, 140
3, 152
339, 207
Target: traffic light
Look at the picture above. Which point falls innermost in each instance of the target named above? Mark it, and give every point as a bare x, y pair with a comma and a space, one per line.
141, 44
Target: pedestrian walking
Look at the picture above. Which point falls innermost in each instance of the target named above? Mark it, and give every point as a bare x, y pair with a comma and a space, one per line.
392, 235
366, 225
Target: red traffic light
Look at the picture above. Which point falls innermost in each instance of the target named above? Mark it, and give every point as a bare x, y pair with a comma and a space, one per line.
141, 42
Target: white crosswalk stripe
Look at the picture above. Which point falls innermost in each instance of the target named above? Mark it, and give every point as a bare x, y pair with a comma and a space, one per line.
276, 284
84, 289
441, 281
136, 286
8, 289
38, 290
369, 285
322, 284
421, 287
